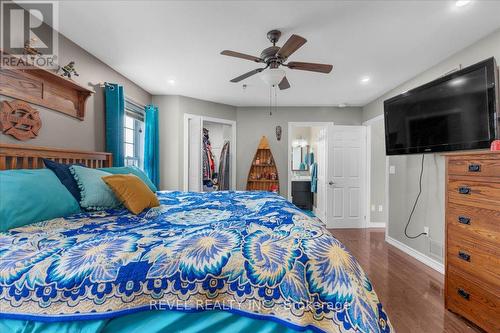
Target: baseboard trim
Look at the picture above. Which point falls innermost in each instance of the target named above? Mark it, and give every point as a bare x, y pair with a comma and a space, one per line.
319, 214
375, 225
434, 264
346, 227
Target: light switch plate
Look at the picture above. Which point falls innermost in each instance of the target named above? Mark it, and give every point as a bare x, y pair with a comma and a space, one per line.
392, 169
380, 208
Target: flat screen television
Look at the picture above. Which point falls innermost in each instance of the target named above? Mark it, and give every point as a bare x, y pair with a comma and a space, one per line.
456, 112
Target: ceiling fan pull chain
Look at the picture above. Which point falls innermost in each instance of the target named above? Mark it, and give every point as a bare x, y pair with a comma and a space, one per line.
275, 99
270, 101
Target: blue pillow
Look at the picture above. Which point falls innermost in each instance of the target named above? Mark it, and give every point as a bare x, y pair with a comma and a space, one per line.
95, 194
62, 172
133, 170
29, 196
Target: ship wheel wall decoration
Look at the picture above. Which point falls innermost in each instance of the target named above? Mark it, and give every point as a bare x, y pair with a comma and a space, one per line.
20, 120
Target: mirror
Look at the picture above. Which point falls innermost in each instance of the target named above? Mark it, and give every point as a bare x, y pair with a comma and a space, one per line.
298, 157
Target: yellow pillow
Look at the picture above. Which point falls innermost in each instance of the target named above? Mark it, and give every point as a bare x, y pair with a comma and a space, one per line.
132, 192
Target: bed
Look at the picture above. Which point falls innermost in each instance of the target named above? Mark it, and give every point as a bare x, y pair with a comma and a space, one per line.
211, 262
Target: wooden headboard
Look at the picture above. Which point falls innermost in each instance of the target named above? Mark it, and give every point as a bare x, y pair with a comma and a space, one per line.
29, 157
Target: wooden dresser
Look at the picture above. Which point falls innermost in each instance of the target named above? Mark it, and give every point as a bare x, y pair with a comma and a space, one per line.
472, 281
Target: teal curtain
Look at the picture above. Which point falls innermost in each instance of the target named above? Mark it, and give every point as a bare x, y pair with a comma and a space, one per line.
151, 145
115, 117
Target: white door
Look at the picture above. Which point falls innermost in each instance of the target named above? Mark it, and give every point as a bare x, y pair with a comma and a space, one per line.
346, 177
193, 167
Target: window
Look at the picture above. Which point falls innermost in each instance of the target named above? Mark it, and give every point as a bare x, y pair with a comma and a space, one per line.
134, 134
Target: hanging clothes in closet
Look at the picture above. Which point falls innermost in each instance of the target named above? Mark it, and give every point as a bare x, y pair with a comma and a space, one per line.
208, 162
224, 167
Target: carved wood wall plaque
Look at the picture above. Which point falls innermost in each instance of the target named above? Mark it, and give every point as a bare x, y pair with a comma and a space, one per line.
20, 120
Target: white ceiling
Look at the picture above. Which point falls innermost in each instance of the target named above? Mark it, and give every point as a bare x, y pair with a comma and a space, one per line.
152, 42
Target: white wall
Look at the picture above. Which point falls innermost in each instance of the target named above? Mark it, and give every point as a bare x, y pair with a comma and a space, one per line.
171, 124
403, 186
254, 122
62, 131
378, 171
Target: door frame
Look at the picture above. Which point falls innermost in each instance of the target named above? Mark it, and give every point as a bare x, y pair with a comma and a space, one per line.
232, 148
364, 174
328, 125
369, 223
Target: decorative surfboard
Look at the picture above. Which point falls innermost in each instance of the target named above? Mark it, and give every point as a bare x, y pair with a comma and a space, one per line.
263, 174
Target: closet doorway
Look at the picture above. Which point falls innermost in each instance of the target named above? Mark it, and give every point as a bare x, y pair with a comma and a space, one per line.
209, 154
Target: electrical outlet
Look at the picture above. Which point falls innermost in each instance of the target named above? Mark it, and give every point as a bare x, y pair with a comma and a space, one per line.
426, 231
380, 208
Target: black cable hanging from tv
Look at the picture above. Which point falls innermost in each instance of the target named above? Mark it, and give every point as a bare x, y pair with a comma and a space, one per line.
416, 201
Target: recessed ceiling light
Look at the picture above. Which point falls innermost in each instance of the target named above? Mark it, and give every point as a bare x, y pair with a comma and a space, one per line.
365, 79
171, 82
461, 3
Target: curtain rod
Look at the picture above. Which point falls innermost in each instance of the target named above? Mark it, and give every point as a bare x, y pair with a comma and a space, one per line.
134, 102
128, 98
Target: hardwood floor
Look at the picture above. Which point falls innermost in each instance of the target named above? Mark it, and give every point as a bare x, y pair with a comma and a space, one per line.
411, 292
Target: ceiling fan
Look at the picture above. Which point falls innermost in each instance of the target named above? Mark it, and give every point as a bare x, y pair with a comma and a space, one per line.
275, 56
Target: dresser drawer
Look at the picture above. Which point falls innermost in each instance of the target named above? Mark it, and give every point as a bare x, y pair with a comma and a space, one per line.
478, 223
476, 259
473, 302
484, 194
474, 167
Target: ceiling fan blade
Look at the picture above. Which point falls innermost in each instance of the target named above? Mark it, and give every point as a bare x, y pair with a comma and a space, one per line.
241, 55
284, 84
292, 44
244, 76
309, 66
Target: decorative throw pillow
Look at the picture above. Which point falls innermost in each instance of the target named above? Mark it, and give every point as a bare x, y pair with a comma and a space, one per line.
132, 192
62, 172
95, 194
133, 170
28, 196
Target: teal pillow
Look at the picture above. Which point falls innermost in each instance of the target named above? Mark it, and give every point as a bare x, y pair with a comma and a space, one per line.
28, 196
95, 194
133, 170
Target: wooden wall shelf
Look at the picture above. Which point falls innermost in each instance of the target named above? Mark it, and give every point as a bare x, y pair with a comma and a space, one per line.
44, 88
259, 174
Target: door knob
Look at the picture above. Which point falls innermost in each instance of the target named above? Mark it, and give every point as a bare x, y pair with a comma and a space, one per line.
330, 183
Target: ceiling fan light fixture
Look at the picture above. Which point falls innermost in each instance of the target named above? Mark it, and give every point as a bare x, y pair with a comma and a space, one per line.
273, 76
462, 3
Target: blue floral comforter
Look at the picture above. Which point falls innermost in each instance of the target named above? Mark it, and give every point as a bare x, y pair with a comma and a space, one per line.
251, 253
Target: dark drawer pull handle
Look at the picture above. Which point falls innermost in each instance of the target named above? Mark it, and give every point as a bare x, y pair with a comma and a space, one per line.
464, 256
464, 220
474, 167
463, 293
464, 190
